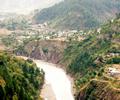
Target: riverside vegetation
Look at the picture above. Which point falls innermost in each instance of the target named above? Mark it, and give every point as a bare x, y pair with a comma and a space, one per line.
19, 79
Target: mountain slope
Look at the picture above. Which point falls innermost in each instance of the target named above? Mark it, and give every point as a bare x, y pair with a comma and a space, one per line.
78, 14
99, 90
19, 79
91, 59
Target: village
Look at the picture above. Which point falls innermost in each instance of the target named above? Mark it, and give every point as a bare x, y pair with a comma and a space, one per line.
42, 32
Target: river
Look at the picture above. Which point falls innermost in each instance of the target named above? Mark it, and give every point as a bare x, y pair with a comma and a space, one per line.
57, 81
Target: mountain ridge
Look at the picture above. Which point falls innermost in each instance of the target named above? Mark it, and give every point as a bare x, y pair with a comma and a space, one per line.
78, 14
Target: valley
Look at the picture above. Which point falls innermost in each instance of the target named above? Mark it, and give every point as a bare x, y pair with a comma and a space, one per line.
69, 51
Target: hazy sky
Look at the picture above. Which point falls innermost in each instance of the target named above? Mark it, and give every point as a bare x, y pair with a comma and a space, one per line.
25, 6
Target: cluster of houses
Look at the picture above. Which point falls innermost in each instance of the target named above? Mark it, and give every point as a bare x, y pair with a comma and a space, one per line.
42, 31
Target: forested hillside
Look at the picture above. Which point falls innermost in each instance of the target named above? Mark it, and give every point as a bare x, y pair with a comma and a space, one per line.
19, 79
91, 59
79, 14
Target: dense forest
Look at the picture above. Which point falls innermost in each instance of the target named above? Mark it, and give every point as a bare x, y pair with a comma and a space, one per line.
78, 14
19, 79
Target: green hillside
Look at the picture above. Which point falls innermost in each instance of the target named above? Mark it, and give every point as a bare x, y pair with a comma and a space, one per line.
99, 90
19, 79
90, 58
78, 14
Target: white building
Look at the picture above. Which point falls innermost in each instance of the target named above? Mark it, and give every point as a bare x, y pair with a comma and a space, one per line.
113, 71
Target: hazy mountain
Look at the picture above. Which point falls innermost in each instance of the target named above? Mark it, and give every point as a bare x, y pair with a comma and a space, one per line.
79, 14
25, 6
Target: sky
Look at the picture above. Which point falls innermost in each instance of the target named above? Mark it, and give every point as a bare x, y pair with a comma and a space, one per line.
25, 6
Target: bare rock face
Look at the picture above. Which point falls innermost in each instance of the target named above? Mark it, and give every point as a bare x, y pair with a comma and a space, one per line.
47, 50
